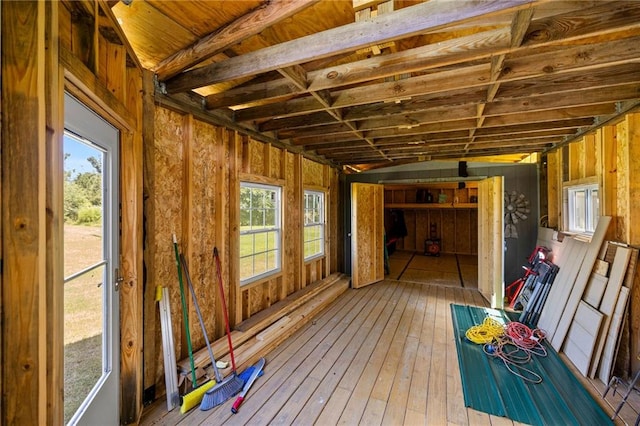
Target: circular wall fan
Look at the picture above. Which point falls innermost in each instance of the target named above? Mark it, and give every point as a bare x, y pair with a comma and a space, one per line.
516, 209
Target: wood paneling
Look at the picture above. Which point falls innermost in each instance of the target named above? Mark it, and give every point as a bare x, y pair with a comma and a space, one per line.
197, 169
367, 234
491, 245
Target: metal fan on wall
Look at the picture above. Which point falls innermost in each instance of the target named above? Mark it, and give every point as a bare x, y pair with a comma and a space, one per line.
516, 209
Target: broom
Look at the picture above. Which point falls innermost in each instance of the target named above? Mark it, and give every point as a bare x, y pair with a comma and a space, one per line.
233, 384
185, 315
224, 388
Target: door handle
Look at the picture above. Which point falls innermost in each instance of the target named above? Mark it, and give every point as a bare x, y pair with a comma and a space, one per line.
119, 280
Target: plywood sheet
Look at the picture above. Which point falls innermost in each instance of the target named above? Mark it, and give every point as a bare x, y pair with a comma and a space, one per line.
312, 173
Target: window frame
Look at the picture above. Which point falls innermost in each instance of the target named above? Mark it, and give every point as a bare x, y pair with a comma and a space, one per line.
277, 228
322, 224
590, 217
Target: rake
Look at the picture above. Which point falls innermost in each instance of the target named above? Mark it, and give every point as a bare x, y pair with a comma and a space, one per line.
232, 384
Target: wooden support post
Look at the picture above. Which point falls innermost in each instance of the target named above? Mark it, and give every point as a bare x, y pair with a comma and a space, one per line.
224, 204
608, 198
131, 244
629, 205
150, 325
236, 162
296, 223
554, 193
54, 81
24, 322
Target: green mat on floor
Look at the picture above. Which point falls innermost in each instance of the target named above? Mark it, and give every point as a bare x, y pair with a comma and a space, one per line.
489, 387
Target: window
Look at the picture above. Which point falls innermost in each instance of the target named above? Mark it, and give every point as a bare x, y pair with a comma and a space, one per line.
260, 229
313, 224
583, 208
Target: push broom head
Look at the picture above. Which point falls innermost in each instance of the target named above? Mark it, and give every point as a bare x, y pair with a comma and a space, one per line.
221, 392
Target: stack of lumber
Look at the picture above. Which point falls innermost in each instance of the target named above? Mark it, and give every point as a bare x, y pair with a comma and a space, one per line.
268, 328
586, 307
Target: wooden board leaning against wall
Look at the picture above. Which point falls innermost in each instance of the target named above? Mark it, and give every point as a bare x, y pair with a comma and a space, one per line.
616, 171
194, 170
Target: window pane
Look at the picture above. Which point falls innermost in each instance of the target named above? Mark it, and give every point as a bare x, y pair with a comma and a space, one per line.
260, 264
583, 208
246, 245
259, 231
594, 208
246, 267
580, 213
84, 270
313, 224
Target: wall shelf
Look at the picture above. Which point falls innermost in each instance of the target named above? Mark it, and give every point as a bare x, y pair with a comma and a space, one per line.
423, 206
456, 220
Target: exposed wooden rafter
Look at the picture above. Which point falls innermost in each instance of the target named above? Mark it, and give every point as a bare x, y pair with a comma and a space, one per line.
240, 29
423, 80
409, 21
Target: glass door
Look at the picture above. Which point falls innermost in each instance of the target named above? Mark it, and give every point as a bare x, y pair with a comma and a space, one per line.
91, 319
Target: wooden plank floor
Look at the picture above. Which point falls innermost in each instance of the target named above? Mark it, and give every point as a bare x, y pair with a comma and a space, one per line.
383, 354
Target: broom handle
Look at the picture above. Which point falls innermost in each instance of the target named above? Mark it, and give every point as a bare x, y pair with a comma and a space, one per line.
185, 315
204, 330
224, 307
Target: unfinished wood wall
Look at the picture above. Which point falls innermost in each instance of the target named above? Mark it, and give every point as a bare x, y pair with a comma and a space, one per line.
608, 157
49, 48
193, 172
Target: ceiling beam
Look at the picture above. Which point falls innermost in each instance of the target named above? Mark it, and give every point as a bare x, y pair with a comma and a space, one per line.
392, 26
546, 64
242, 28
447, 52
319, 134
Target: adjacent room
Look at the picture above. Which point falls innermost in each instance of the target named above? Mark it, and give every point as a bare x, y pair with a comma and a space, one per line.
320, 212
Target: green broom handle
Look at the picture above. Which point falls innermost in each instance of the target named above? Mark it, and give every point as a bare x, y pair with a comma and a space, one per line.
185, 315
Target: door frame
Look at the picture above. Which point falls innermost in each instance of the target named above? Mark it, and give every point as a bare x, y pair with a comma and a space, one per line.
128, 120
102, 402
